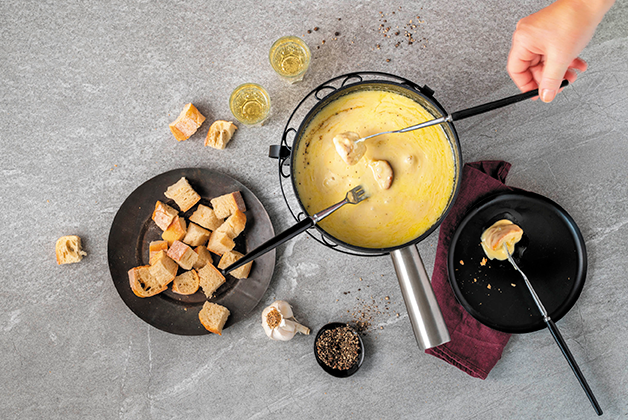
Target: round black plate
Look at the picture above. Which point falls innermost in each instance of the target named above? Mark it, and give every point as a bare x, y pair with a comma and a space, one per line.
133, 230
338, 373
551, 254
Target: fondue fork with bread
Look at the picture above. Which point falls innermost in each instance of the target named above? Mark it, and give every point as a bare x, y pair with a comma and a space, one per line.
350, 146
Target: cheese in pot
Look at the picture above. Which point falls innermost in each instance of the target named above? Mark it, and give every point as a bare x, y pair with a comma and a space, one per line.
422, 163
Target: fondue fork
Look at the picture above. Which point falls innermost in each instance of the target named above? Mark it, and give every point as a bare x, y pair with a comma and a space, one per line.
465, 113
557, 337
353, 196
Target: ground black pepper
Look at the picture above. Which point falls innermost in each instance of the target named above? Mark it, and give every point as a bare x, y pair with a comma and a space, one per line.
339, 348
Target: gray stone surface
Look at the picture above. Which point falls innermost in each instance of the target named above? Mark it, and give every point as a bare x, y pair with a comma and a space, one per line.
87, 92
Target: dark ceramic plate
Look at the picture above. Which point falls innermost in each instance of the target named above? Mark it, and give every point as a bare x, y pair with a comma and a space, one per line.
551, 254
339, 373
133, 230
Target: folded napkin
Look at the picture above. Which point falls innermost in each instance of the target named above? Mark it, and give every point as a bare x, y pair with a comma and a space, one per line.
474, 348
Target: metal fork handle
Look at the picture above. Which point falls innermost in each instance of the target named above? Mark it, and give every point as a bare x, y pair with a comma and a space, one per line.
446, 118
324, 213
536, 298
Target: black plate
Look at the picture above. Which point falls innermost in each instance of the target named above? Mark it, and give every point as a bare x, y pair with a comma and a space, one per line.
551, 254
133, 229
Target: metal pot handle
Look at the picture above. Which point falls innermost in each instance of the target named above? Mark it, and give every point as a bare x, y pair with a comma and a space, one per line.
425, 315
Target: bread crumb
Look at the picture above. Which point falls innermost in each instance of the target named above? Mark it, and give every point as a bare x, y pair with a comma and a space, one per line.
488, 286
513, 285
483, 262
461, 262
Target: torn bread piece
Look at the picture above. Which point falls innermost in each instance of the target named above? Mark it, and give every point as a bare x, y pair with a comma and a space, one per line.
229, 258
182, 255
234, 225
163, 215
210, 279
219, 243
154, 247
213, 317
186, 283
204, 216
227, 204
176, 231
149, 280
196, 235
183, 194
204, 257
68, 250
186, 124
220, 132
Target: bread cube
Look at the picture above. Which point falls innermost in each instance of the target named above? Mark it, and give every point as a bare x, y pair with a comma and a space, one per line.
227, 204
163, 215
155, 247
182, 255
183, 194
163, 270
210, 279
196, 235
213, 317
186, 124
220, 132
68, 250
186, 283
176, 231
234, 225
219, 243
205, 217
229, 258
204, 257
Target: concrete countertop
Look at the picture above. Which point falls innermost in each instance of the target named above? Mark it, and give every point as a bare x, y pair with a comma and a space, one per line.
88, 90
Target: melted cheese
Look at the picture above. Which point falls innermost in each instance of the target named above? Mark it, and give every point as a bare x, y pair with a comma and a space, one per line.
422, 162
501, 232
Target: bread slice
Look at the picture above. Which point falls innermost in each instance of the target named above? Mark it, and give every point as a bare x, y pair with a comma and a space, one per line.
205, 217
220, 132
183, 194
68, 250
155, 247
234, 225
186, 124
164, 269
227, 204
213, 317
229, 258
163, 215
196, 235
204, 257
149, 280
210, 279
176, 231
186, 283
182, 255
219, 243
142, 282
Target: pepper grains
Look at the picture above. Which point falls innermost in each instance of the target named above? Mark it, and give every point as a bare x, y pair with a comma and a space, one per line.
339, 348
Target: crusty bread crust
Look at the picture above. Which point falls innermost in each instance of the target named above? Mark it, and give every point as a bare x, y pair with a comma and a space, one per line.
227, 204
186, 283
163, 215
219, 134
176, 231
186, 124
142, 284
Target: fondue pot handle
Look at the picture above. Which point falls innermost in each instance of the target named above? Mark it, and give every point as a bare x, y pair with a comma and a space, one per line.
423, 310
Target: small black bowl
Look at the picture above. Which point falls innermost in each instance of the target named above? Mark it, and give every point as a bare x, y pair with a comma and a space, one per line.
338, 373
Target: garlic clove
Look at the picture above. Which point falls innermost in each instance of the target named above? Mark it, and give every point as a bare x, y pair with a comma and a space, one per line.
279, 323
284, 308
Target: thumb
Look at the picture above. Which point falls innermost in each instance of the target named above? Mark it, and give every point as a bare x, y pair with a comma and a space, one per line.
553, 73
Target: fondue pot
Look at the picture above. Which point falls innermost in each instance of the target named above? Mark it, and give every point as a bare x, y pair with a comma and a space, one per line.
423, 310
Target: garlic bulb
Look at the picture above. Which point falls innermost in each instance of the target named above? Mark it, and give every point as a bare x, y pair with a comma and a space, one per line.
279, 323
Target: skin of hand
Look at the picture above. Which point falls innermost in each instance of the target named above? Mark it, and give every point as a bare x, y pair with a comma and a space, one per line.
546, 44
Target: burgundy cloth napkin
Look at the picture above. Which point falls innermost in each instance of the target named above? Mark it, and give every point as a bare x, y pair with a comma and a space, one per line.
474, 348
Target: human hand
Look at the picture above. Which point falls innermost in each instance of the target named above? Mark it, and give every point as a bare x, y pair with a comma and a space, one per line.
546, 44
